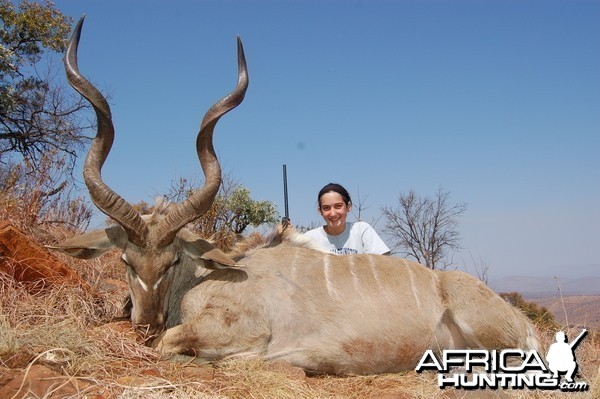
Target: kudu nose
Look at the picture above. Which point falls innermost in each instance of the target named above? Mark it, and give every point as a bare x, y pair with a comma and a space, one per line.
151, 328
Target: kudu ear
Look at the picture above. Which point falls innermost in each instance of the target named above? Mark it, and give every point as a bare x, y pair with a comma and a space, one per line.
91, 245
213, 257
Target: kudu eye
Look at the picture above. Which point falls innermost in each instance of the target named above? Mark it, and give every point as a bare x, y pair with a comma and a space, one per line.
128, 267
176, 260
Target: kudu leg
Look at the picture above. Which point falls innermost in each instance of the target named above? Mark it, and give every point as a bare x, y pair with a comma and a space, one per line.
176, 340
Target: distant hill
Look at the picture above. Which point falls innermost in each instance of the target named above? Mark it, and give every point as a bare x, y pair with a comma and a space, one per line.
574, 302
574, 311
539, 287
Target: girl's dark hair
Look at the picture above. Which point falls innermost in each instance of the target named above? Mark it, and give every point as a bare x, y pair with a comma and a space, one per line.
336, 188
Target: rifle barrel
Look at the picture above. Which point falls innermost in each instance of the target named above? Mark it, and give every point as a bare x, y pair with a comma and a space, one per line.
576, 340
285, 193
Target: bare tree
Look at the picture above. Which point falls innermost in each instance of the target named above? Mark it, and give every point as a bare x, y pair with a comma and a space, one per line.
359, 207
481, 268
425, 228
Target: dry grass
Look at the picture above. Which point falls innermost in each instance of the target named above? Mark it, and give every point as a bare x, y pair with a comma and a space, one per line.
65, 330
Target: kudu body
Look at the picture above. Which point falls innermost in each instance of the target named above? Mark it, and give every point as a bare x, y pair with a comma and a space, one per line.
325, 313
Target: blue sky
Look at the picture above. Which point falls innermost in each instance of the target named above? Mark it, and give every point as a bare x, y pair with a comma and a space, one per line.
496, 101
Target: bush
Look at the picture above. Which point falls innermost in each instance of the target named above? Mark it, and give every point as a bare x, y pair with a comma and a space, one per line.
539, 315
34, 200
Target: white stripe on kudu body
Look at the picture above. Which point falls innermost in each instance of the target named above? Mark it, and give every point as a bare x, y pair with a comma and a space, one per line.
356, 281
360, 314
413, 287
329, 279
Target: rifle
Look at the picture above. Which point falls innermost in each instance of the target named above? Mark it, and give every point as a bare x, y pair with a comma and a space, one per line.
286, 219
574, 343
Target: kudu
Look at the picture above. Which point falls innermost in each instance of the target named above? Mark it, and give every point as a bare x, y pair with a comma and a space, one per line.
358, 314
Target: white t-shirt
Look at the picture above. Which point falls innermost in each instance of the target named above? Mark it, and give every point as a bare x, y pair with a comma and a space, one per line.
357, 238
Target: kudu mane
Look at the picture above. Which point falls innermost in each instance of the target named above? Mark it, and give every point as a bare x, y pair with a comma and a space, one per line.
281, 235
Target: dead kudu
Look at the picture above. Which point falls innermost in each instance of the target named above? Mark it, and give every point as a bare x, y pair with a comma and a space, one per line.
326, 313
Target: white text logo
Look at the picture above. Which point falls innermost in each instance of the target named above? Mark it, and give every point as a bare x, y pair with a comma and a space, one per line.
509, 368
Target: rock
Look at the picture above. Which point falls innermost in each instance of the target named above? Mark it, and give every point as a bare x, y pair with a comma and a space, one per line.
31, 264
151, 372
197, 373
19, 359
6, 375
41, 382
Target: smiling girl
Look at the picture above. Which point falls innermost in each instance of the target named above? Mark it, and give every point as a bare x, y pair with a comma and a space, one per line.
338, 235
